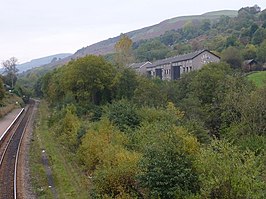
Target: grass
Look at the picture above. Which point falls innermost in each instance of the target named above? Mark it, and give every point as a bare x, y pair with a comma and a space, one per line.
259, 78
68, 177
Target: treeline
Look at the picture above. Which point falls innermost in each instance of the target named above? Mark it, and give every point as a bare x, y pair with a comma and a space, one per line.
245, 33
202, 136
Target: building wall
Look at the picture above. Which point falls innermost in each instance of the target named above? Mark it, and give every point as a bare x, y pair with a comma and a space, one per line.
202, 59
185, 66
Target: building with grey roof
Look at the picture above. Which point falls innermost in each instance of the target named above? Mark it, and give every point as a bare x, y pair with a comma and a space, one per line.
172, 68
140, 68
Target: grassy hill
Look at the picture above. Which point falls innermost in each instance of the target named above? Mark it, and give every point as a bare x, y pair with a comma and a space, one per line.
259, 78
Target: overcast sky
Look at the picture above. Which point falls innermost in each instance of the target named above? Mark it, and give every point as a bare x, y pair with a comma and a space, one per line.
32, 29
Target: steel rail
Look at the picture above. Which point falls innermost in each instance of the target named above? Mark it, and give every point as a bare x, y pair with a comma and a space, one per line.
23, 123
17, 155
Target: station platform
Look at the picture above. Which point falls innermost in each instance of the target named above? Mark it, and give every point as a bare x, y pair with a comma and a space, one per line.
6, 121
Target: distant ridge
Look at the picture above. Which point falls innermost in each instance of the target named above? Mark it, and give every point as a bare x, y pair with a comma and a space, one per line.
52, 59
41, 61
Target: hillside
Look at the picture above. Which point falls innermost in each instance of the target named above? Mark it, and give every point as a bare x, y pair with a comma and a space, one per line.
107, 46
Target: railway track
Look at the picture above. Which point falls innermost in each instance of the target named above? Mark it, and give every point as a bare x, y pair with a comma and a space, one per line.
10, 155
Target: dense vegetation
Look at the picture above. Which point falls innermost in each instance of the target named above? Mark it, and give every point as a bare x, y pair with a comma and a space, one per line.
202, 136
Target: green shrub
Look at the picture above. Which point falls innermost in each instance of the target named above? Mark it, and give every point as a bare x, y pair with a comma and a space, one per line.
123, 114
227, 172
167, 166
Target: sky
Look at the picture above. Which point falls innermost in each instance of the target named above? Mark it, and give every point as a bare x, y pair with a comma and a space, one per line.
31, 29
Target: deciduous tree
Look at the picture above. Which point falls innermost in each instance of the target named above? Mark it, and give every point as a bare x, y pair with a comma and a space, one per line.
2, 90
123, 48
167, 168
261, 53
233, 57
11, 70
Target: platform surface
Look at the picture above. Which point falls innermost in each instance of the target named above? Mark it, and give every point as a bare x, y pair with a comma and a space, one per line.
8, 119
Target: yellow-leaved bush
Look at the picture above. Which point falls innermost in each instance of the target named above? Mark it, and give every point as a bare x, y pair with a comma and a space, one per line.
67, 128
107, 160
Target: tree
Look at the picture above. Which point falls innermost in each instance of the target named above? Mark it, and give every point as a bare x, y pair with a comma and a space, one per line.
147, 93
206, 25
167, 166
253, 29
170, 37
90, 79
11, 70
126, 84
207, 88
245, 112
233, 57
250, 52
2, 90
123, 48
262, 52
123, 114
258, 36
151, 50
231, 41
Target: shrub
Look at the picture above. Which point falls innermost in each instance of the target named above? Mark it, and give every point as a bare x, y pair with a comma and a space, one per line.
227, 172
113, 167
167, 166
123, 114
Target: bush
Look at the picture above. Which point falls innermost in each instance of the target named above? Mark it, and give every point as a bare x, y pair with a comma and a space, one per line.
112, 167
123, 114
67, 128
167, 166
227, 172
